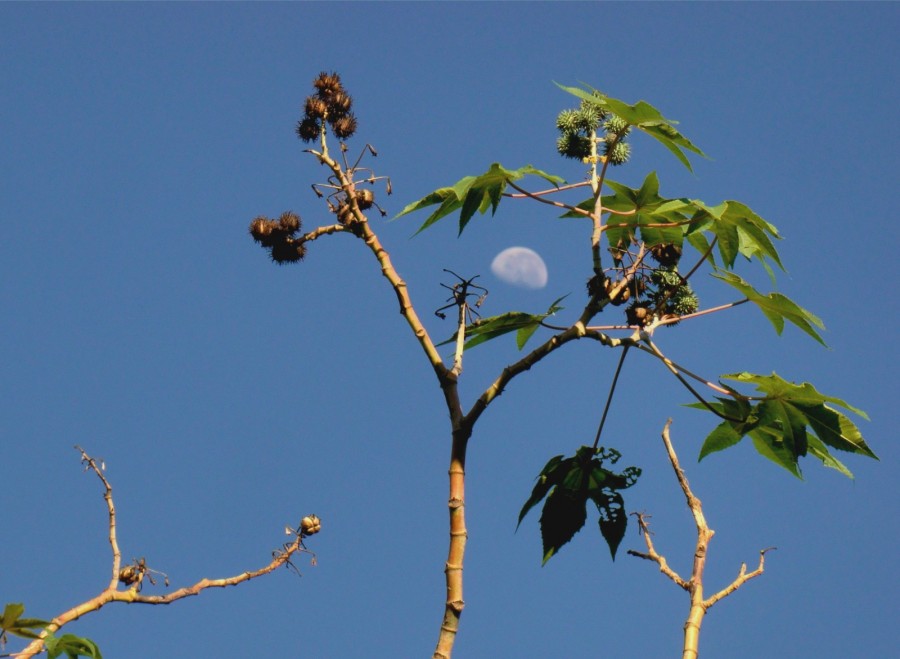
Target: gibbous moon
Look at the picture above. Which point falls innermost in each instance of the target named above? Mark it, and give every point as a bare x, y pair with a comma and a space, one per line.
520, 266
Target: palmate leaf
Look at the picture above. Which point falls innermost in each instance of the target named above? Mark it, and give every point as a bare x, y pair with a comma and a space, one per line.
12, 622
739, 231
644, 117
789, 422
776, 307
525, 324
566, 485
473, 193
72, 646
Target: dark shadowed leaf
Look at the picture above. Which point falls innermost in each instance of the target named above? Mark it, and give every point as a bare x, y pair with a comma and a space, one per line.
562, 517
613, 518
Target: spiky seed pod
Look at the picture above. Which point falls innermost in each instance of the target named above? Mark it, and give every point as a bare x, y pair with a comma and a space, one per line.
616, 125
345, 126
289, 222
573, 146
265, 231
637, 286
339, 104
589, 116
685, 302
288, 250
128, 575
327, 84
365, 198
310, 525
598, 286
308, 129
666, 254
315, 107
567, 121
666, 278
638, 314
618, 152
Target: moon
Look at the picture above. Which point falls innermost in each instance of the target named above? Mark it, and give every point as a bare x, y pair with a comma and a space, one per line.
520, 266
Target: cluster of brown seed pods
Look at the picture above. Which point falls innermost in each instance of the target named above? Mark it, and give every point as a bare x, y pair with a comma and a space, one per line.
279, 237
330, 104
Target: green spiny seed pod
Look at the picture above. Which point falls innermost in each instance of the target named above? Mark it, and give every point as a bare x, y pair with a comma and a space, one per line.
666, 254
308, 129
666, 278
685, 302
288, 250
365, 198
616, 125
617, 152
638, 314
344, 126
573, 146
289, 222
567, 121
589, 117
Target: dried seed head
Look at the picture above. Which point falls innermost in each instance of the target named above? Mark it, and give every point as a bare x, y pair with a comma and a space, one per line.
308, 129
289, 222
638, 315
339, 104
327, 84
315, 107
365, 198
345, 126
310, 525
264, 231
288, 251
666, 254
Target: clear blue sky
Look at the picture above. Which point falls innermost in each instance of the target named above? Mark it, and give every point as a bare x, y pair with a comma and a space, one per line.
229, 396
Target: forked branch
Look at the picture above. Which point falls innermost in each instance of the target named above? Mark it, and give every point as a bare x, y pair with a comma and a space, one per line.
694, 586
125, 585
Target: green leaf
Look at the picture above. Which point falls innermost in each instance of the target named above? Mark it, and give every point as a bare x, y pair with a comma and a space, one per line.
819, 450
789, 422
485, 329
550, 476
776, 307
722, 437
473, 193
73, 646
769, 445
11, 613
613, 519
562, 517
643, 116
568, 484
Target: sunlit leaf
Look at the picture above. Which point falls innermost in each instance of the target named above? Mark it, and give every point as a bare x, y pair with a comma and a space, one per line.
473, 193
776, 307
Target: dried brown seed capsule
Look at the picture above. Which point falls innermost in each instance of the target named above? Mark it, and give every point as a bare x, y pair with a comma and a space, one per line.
308, 129
128, 575
345, 126
288, 251
638, 315
327, 84
310, 525
265, 231
365, 198
339, 104
315, 107
289, 222
666, 254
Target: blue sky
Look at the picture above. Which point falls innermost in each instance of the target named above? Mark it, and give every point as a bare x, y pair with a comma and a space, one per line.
229, 396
